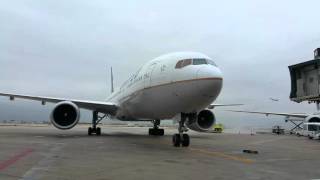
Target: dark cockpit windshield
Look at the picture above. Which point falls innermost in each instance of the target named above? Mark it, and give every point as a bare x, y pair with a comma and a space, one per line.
197, 61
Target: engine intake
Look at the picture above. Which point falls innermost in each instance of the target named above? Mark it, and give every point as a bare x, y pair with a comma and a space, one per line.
65, 115
201, 122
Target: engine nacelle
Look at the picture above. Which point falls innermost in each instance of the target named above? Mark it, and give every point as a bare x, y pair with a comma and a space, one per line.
65, 115
201, 122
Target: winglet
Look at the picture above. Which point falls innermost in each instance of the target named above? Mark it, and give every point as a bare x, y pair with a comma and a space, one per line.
112, 88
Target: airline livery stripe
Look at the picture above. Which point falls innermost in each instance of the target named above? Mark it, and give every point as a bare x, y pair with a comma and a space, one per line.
175, 82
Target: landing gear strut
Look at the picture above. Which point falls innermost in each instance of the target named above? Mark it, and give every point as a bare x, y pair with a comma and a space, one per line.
181, 138
95, 120
155, 131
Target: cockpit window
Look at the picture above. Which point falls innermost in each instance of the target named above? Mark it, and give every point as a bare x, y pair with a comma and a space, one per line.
183, 63
199, 61
186, 62
179, 64
211, 62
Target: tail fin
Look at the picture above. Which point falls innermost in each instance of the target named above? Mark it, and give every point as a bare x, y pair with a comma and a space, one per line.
112, 89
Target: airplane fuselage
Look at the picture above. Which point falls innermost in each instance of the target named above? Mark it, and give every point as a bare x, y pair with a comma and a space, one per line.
170, 84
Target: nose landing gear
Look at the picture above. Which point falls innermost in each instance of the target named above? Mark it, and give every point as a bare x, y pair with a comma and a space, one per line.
155, 131
181, 139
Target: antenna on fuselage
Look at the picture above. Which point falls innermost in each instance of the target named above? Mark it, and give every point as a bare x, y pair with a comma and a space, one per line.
112, 89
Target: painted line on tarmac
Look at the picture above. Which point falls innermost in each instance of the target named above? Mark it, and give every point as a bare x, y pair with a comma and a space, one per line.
5, 164
44, 165
222, 155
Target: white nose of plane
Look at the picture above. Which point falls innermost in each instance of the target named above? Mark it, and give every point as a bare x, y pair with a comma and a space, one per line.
209, 72
210, 81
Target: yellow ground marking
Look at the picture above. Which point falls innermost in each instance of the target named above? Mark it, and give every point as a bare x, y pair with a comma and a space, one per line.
213, 153
222, 155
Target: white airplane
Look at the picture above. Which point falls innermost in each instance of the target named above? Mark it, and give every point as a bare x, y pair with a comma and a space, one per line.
302, 118
183, 83
274, 99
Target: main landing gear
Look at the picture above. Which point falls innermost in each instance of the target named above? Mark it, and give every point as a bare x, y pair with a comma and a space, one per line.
181, 139
155, 131
95, 120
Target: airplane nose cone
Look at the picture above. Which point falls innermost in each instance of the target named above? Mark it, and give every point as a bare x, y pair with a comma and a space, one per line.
209, 81
209, 72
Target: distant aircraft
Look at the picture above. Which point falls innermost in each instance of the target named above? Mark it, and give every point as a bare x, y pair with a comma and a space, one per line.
184, 83
274, 99
307, 120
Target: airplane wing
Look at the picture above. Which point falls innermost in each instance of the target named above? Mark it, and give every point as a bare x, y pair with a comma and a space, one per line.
297, 115
100, 106
211, 106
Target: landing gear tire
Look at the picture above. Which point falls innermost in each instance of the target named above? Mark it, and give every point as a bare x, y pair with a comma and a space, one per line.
89, 131
185, 140
181, 139
176, 140
98, 131
161, 132
156, 132
95, 120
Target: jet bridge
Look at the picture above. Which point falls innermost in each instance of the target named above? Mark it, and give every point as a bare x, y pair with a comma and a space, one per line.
305, 80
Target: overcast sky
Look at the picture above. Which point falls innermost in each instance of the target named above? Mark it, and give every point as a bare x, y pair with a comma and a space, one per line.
65, 48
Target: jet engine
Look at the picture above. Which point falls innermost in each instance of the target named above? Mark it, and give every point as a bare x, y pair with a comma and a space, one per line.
201, 122
65, 115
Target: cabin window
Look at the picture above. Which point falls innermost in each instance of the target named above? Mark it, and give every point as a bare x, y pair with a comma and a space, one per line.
199, 61
312, 127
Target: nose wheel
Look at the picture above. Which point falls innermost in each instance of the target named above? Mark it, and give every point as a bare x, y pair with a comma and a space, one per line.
181, 139
178, 140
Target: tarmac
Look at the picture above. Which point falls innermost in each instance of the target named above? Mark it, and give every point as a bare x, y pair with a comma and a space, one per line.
43, 152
